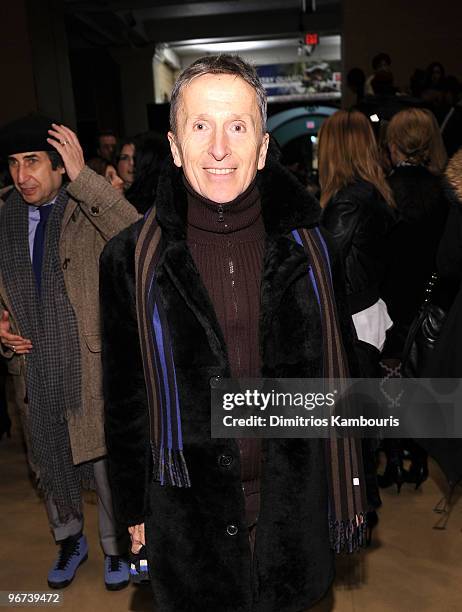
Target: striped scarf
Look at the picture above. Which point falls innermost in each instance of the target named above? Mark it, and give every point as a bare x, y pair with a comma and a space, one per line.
53, 368
347, 502
159, 368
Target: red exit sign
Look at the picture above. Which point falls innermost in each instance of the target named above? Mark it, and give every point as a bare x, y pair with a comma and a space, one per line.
311, 38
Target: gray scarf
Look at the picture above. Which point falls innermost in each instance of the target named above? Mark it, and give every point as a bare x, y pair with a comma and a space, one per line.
53, 368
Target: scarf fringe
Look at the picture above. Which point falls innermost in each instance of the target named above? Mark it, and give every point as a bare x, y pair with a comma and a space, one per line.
348, 535
67, 510
169, 467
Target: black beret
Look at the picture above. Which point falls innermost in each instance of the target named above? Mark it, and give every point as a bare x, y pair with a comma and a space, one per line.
29, 133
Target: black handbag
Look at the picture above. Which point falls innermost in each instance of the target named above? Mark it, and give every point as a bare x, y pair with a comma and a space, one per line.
423, 334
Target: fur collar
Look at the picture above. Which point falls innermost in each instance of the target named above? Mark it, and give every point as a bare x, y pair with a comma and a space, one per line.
454, 177
286, 205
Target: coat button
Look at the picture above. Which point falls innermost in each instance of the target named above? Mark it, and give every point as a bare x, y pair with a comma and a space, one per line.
231, 530
94, 210
225, 461
214, 380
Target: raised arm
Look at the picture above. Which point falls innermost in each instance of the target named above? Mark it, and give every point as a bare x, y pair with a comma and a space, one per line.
106, 208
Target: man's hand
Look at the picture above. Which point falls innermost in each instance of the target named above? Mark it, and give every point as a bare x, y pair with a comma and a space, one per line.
67, 144
137, 537
17, 344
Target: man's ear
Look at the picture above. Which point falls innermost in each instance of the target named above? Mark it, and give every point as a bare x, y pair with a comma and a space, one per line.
263, 151
174, 149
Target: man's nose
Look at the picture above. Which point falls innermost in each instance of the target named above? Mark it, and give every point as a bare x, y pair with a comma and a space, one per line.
22, 175
219, 147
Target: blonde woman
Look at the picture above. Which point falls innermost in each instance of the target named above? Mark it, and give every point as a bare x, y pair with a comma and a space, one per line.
419, 159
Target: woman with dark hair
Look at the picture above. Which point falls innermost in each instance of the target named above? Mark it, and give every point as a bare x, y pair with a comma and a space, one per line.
358, 211
104, 168
126, 162
151, 149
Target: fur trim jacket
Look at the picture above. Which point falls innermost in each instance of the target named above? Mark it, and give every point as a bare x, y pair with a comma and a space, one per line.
449, 256
198, 563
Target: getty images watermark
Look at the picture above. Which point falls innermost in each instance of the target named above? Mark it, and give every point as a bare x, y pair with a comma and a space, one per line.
313, 408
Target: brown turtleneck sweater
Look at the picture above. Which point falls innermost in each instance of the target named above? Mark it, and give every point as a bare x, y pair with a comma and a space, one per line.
227, 244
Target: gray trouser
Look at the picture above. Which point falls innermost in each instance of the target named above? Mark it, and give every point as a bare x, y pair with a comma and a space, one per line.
106, 520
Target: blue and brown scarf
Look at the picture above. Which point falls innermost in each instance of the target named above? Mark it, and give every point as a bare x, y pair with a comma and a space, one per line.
343, 456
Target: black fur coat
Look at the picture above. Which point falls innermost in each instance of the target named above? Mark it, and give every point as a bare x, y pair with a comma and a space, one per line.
195, 565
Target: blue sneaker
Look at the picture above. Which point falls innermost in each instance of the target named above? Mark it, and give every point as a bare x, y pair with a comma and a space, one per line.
116, 573
74, 551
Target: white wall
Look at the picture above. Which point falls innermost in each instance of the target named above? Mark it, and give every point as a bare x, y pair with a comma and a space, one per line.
328, 49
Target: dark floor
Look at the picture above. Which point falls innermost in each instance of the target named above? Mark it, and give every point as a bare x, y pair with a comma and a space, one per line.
411, 567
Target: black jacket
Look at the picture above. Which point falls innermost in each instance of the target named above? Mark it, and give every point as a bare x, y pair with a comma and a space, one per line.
423, 208
196, 565
359, 220
446, 359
